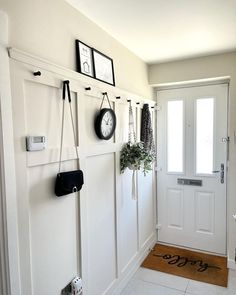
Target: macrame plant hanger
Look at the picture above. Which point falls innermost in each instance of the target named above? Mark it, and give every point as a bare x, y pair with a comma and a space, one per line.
132, 139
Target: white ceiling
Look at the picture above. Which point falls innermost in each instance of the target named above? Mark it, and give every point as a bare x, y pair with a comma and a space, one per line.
164, 30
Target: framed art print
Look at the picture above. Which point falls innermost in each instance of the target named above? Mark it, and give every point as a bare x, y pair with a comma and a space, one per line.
103, 67
84, 59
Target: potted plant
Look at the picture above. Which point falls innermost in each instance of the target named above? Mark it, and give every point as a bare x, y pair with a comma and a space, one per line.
135, 156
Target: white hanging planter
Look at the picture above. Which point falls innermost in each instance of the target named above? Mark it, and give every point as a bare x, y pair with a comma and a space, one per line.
134, 156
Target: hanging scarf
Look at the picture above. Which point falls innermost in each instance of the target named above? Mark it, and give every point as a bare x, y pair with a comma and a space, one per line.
146, 129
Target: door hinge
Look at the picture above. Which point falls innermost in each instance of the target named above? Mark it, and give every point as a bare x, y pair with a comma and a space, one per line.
158, 226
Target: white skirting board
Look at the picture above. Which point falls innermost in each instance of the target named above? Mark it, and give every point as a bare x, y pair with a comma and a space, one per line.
124, 281
231, 264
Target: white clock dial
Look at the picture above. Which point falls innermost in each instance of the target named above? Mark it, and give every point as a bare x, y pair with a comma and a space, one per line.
107, 124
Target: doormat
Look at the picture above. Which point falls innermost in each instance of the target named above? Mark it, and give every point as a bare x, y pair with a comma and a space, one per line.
192, 265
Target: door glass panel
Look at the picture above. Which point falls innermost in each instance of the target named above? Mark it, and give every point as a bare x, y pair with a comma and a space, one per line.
175, 136
204, 135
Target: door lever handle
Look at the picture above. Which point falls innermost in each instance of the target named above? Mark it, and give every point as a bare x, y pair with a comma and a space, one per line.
222, 173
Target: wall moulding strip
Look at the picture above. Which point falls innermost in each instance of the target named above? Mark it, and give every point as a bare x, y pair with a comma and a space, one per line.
50, 156
42, 64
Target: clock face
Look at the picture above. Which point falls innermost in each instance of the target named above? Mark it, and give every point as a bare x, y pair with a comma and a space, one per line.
105, 124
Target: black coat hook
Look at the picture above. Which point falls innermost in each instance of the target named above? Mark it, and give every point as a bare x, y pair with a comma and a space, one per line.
87, 88
152, 107
117, 97
137, 102
128, 100
104, 93
38, 73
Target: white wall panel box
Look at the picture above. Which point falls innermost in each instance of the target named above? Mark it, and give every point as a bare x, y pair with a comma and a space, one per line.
35, 143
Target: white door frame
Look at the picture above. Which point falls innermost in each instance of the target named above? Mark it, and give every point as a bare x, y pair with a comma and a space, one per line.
9, 268
203, 82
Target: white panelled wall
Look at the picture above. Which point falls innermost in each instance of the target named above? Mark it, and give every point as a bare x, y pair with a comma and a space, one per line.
101, 234
9, 267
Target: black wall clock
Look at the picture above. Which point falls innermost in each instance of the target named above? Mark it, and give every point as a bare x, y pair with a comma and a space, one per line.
105, 122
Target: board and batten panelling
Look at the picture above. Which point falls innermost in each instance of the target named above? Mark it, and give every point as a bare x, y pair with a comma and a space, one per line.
48, 226
53, 221
53, 231
100, 234
146, 208
101, 216
128, 222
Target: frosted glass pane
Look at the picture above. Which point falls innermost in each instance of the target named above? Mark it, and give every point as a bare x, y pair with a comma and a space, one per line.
204, 135
175, 136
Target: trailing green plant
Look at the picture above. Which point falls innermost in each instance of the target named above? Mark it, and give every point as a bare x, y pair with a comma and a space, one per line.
135, 157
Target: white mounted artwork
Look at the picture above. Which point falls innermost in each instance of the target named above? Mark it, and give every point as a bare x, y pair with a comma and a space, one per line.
103, 67
84, 59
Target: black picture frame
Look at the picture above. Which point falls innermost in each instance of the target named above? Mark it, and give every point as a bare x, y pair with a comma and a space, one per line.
84, 59
103, 67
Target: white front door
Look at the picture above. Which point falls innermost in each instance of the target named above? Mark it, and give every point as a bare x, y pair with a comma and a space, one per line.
192, 166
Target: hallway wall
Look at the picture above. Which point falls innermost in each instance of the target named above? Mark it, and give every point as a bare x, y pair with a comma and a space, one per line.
49, 28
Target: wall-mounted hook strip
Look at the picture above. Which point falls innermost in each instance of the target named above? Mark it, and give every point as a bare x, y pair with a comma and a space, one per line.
87, 88
104, 93
117, 97
38, 73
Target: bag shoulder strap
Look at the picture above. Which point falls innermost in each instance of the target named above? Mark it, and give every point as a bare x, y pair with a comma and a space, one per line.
66, 88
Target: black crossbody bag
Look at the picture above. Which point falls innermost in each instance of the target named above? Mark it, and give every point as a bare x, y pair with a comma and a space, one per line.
71, 181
